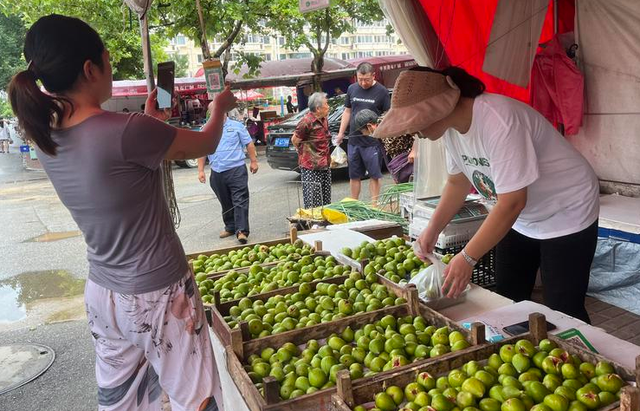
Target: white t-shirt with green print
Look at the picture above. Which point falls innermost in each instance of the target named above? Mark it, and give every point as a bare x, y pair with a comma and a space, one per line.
510, 146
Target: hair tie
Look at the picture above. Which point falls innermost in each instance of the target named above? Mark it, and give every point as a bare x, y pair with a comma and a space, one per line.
31, 69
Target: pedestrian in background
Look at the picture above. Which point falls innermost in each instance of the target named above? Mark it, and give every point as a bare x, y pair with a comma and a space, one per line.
365, 153
5, 137
144, 310
229, 179
312, 139
398, 149
290, 107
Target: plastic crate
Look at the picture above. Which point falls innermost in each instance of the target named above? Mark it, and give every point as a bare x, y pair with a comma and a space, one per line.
453, 235
484, 272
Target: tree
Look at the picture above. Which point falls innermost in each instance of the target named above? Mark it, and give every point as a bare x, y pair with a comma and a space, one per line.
110, 18
12, 33
224, 20
182, 64
5, 106
316, 29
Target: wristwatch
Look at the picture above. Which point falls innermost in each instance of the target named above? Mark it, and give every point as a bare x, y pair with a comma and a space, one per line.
470, 260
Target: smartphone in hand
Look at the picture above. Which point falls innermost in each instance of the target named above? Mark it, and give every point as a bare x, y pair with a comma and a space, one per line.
166, 79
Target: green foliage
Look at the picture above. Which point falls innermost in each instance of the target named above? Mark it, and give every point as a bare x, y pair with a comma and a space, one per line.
5, 108
182, 64
225, 20
316, 29
118, 28
12, 33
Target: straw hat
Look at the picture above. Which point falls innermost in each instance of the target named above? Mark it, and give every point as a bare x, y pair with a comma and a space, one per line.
420, 98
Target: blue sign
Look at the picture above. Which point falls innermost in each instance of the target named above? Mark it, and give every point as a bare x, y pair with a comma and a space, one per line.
24, 148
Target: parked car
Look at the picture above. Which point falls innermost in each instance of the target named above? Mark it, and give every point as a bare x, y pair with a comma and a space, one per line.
281, 154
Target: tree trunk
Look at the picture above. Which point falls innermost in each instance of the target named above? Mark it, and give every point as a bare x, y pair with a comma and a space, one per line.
316, 67
225, 62
204, 44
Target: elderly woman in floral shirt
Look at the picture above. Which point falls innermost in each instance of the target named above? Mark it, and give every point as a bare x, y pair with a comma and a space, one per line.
312, 139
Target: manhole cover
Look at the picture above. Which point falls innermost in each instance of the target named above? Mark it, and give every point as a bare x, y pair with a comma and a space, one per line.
23, 363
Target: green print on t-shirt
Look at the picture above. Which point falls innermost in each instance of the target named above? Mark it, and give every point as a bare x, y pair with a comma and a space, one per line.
474, 162
484, 185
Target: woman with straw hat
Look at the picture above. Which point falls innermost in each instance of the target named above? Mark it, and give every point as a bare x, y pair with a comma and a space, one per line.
544, 193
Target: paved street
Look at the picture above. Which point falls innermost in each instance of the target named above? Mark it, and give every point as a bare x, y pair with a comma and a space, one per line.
44, 267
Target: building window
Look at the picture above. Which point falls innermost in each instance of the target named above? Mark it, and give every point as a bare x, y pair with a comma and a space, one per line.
282, 57
266, 40
344, 40
281, 41
199, 58
364, 39
267, 57
181, 40
299, 55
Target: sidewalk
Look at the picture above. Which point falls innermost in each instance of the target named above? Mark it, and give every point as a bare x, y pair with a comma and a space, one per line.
13, 171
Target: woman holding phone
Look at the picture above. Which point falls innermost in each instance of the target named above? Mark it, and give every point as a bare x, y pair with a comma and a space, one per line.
144, 310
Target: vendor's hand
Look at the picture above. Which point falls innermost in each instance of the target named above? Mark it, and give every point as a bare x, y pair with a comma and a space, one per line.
295, 141
456, 276
427, 242
253, 167
339, 139
151, 110
202, 177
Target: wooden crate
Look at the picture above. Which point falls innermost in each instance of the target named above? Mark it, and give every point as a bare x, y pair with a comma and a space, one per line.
348, 393
293, 236
226, 334
243, 270
220, 310
321, 400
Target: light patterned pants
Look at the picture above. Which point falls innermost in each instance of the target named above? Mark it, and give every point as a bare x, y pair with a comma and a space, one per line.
316, 187
146, 343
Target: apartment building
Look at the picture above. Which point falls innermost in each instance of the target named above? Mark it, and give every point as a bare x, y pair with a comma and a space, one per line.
368, 40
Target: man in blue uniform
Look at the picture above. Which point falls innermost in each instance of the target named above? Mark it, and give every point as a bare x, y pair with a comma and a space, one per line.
229, 178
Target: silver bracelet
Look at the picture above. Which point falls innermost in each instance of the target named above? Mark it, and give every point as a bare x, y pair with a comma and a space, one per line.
470, 260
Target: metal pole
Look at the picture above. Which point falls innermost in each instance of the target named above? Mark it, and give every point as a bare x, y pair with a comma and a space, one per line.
146, 53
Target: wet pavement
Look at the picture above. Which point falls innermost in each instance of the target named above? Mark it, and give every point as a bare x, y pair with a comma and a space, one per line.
36, 297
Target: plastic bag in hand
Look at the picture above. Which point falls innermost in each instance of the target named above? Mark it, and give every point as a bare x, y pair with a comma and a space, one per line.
338, 157
429, 280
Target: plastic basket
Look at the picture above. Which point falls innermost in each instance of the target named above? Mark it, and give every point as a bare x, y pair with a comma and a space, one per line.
484, 272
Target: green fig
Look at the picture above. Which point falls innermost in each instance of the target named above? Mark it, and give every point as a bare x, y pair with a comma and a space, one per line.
474, 386
385, 402
610, 383
556, 402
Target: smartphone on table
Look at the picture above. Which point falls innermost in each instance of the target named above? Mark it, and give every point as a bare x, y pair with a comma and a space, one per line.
523, 327
166, 79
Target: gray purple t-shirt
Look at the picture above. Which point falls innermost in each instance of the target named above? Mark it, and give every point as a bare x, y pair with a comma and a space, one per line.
107, 173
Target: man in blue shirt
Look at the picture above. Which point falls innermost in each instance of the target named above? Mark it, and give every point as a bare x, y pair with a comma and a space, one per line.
229, 178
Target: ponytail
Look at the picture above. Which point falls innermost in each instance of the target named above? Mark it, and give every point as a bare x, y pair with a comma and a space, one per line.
469, 85
36, 111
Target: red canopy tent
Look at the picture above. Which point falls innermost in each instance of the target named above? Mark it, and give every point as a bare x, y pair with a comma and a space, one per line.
463, 28
248, 95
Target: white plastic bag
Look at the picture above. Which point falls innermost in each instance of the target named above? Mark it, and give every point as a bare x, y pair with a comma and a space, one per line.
429, 280
338, 157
